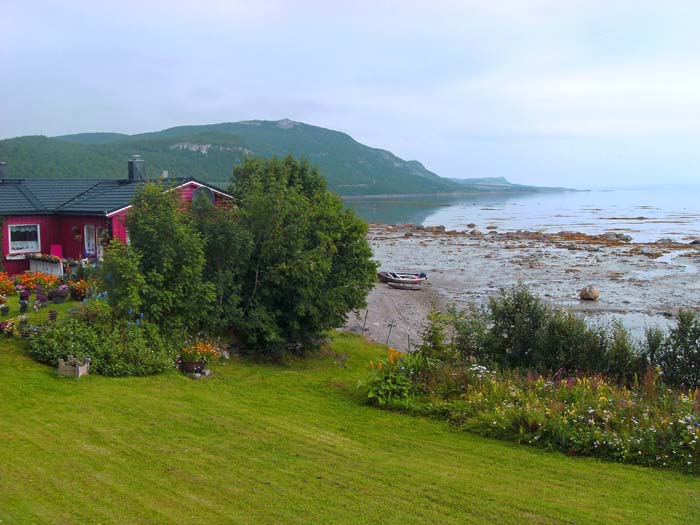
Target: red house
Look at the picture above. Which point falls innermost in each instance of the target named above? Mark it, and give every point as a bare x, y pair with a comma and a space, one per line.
68, 218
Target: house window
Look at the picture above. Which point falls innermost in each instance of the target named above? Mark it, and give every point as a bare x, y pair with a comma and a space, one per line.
24, 238
90, 244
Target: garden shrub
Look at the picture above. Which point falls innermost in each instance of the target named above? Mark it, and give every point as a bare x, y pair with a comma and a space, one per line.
562, 384
565, 341
471, 334
577, 415
516, 317
679, 356
434, 340
116, 347
398, 376
518, 330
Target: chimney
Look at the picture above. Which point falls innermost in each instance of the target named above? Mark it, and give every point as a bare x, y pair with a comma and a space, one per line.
137, 168
3, 170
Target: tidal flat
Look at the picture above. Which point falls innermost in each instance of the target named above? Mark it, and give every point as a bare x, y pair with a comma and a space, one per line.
641, 283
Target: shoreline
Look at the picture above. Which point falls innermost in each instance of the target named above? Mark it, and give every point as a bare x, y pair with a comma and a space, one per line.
496, 192
641, 284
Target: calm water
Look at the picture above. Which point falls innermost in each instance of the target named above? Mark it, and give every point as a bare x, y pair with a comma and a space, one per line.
644, 214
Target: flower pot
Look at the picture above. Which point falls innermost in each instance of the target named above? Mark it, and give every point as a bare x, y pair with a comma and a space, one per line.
23, 306
4, 311
193, 367
58, 300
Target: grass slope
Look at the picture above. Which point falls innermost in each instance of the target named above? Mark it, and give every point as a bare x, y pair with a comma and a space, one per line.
288, 443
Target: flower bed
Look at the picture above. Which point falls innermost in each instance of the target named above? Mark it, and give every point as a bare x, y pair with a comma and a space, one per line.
41, 280
648, 425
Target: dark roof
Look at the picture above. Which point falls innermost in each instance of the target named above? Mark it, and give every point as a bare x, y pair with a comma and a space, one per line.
72, 196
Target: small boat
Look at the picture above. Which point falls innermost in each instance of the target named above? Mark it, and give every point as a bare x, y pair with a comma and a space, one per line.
406, 286
402, 278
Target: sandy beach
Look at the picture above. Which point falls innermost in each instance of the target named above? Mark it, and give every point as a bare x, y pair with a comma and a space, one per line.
643, 284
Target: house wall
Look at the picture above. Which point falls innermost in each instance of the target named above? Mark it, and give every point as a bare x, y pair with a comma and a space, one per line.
47, 236
58, 229
53, 229
119, 226
73, 247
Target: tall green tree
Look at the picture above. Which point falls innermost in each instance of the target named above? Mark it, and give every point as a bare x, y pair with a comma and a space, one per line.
227, 249
175, 294
303, 260
121, 278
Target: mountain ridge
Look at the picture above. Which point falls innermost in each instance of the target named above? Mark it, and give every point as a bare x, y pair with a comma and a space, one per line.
210, 151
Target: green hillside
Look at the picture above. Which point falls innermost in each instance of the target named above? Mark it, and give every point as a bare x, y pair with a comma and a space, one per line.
210, 152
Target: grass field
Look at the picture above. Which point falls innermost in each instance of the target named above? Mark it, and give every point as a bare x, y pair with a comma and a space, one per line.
261, 443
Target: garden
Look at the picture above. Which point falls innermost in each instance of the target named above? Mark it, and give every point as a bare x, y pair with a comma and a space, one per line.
523, 371
268, 275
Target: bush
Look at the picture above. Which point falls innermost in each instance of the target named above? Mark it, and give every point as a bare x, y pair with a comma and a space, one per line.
518, 330
577, 415
115, 347
679, 356
566, 342
516, 317
398, 376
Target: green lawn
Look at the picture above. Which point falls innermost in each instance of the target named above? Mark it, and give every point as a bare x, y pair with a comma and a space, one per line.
260, 443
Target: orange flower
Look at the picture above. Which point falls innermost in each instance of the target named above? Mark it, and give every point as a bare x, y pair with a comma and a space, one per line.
394, 356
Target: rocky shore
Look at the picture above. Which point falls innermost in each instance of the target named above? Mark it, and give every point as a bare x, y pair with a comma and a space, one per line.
643, 284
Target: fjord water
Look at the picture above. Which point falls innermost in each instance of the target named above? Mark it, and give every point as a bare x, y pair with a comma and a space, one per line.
645, 214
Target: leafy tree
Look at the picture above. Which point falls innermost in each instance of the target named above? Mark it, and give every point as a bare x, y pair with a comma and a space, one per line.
174, 294
227, 249
121, 278
303, 262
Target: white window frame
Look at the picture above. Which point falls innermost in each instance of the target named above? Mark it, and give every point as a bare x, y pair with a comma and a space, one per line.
9, 238
93, 252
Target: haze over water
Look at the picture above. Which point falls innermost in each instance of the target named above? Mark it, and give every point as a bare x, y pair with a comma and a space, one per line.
644, 214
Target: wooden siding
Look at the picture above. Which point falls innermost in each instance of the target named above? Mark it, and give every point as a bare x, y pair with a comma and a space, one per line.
119, 226
48, 235
53, 229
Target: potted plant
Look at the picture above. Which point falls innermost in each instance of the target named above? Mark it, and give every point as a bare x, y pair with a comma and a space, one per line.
42, 298
23, 306
24, 294
195, 357
4, 310
59, 295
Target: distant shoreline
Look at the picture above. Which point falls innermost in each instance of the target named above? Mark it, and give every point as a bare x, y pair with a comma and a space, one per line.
459, 193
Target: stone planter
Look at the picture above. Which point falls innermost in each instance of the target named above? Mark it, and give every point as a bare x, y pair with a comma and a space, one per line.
193, 367
72, 368
59, 300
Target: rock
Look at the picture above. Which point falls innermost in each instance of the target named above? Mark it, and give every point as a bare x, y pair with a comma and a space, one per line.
696, 241
491, 227
471, 225
589, 293
664, 240
408, 234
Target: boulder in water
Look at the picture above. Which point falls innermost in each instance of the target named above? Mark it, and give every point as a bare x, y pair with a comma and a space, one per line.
589, 293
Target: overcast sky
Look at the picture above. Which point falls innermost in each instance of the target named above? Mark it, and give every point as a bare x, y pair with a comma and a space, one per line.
577, 93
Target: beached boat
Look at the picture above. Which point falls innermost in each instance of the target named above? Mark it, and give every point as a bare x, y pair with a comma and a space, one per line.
407, 286
402, 278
